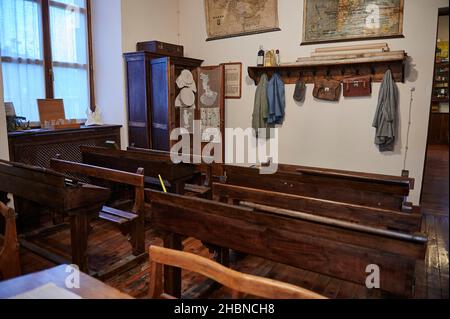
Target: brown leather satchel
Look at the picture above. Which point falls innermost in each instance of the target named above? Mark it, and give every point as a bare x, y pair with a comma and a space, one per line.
327, 89
358, 86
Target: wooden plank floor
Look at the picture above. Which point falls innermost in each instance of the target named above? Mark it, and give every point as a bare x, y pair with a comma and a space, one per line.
107, 245
435, 200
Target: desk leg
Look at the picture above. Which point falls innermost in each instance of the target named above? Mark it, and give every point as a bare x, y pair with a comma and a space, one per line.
79, 224
179, 188
172, 275
138, 235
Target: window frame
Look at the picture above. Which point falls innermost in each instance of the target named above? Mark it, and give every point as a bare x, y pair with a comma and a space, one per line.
48, 62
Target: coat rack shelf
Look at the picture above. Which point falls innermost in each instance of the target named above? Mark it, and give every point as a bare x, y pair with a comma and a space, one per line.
313, 69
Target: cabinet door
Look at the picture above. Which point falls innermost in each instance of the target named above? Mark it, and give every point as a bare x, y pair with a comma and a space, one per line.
137, 97
211, 101
159, 86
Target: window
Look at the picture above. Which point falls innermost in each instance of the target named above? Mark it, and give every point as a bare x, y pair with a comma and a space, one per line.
44, 46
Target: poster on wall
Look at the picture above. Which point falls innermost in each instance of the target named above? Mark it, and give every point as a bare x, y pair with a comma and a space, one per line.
211, 97
327, 21
232, 18
233, 80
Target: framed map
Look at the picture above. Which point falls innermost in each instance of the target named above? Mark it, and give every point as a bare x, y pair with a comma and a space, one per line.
349, 20
231, 18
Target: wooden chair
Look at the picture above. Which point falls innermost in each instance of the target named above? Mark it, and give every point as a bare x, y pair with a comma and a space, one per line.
240, 283
9, 253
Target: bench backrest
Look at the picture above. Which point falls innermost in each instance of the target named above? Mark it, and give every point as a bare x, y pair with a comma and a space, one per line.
154, 163
349, 187
365, 215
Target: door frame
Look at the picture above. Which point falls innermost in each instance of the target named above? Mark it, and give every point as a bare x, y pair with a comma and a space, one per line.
441, 12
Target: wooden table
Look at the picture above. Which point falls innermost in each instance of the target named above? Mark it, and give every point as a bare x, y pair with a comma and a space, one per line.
90, 288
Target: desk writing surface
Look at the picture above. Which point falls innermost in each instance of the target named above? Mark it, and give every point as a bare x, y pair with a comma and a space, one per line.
47, 291
90, 288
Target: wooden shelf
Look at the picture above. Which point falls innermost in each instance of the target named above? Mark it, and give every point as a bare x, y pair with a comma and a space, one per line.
439, 100
337, 69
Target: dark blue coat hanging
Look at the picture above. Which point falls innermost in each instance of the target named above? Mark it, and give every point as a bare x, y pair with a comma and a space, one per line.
277, 100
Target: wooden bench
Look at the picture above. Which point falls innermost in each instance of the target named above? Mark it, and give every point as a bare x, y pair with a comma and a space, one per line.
9, 245
240, 283
320, 244
375, 190
132, 222
200, 183
154, 163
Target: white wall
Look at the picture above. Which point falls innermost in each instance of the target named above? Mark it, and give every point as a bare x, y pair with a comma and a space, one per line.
146, 20
117, 26
108, 68
4, 154
327, 134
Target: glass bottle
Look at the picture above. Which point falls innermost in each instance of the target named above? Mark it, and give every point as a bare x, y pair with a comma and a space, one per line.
260, 56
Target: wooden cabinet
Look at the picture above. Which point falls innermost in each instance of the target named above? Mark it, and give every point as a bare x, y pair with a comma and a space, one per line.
151, 93
38, 147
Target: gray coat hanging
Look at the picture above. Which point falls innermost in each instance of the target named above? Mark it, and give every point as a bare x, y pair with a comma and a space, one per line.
385, 120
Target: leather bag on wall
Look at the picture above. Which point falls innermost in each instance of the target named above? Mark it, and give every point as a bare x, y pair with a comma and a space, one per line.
358, 86
327, 89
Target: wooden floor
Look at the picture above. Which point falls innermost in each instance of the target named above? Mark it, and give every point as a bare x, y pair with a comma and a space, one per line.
107, 245
435, 199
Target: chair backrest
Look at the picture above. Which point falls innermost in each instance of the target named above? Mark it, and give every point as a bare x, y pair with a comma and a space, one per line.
239, 283
9, 252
